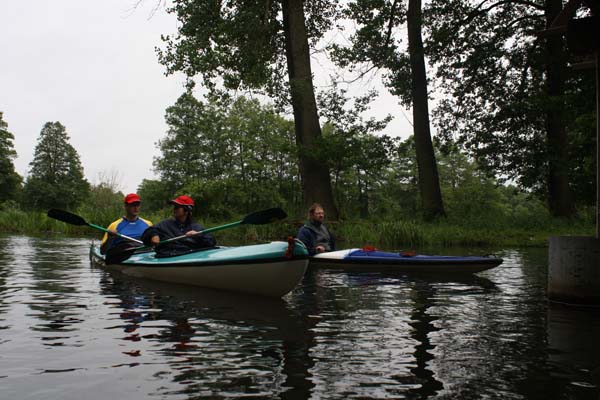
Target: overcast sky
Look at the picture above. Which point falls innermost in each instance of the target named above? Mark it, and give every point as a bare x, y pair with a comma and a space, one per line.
93, 67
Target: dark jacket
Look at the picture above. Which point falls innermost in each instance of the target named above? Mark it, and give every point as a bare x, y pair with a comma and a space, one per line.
170, 228
313, 235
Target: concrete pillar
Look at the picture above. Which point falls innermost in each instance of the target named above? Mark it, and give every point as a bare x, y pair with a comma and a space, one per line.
574, 270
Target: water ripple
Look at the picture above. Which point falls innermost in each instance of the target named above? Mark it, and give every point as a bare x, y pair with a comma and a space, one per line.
70, 332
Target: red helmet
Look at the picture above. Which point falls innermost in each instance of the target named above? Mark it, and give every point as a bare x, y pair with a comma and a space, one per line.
132, 198
183, 201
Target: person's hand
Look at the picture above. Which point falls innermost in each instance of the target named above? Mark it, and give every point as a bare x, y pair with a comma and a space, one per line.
190, 233
112, 233
320, 249
155, 240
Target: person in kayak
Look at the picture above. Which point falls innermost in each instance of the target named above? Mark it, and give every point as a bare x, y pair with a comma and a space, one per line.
181, 224
129, 225
314, 234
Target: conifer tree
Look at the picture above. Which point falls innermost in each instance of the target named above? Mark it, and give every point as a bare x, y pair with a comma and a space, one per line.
10, 181
56, 176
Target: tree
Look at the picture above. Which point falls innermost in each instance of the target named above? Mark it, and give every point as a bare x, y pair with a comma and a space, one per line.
508, 97
356, 156
10, 181
374, 43
236, 154
560, 196
155, 194
191, 149
56, 176
429, 185
254, 45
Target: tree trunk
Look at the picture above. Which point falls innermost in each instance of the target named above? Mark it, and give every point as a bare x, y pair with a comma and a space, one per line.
316, 183
429, 184
560, 197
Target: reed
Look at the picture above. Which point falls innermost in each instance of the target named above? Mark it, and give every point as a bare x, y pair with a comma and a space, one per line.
524, 230
413, 234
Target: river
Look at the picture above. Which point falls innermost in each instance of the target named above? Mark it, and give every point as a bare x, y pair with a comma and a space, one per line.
69, 331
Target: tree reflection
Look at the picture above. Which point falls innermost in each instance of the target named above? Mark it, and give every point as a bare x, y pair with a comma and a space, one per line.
376, 336
8, 252
53, 287
423, 297
214, 341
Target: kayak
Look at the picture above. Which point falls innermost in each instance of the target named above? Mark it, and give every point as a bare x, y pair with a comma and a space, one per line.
360, 260
271, 269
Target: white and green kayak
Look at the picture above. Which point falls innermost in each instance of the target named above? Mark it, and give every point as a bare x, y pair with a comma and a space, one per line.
271, 269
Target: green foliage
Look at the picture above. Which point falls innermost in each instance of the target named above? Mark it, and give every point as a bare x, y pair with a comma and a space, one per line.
255, 45
235, 156
238, 43
375, 43
193, 127
154, 194
230, 156
581, 127
214, 41
103, 205
491, 70
356, 157
15, 220
10, 181
248, 162
56, 177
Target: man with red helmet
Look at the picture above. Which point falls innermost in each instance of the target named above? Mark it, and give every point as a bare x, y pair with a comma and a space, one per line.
181, 224
129, 225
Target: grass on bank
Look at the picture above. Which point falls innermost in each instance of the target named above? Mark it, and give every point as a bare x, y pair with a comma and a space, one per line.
475, 232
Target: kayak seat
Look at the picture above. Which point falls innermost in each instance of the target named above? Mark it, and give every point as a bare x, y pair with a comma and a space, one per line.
175, 253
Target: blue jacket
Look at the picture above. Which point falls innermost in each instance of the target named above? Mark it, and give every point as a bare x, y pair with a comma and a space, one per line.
133, 229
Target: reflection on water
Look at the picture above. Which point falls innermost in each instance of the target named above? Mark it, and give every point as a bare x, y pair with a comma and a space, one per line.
212, 342
69, 331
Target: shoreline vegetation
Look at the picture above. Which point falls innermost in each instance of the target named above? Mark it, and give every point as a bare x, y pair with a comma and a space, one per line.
389, 235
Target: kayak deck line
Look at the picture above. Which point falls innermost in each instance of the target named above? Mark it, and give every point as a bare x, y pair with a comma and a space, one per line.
213, 264
193, 264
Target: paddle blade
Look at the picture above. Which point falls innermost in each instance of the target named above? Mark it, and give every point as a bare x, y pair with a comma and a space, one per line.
264, 217
119, 253
66, 216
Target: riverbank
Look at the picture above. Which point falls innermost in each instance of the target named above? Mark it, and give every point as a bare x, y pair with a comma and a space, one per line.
533, 232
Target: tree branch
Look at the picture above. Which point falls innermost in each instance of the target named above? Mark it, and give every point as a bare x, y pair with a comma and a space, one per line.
533, 16
478, 11
391, 23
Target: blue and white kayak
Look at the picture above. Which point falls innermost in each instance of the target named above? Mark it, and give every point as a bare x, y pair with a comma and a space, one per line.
271, 269
359, 260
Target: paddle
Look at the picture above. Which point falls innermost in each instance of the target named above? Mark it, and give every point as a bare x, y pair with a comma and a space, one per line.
257, 218
73, 219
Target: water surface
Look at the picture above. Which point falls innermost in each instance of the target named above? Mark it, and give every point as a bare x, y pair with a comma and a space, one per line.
69, 331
